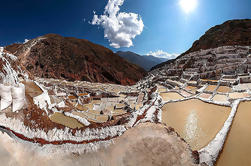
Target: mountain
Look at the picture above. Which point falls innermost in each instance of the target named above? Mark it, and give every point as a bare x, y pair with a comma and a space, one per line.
94, 121
146, 62
54, 56
230, 33
155, 59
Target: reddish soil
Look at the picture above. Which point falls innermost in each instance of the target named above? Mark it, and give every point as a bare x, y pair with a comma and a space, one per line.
230, 33
44, 142
75, 59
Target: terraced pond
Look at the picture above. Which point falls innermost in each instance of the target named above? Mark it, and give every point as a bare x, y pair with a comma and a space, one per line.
220, 98
192, 88
161, 89
196, 121
32, 89
211, 88
237, 95
205, 95
224, 89
171, 96
65, 120
237, 147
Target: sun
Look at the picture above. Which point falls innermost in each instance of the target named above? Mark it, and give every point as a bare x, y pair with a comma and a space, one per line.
188, 5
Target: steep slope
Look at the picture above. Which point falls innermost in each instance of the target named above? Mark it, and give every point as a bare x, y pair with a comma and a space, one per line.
146, 62
230, 33
54, 56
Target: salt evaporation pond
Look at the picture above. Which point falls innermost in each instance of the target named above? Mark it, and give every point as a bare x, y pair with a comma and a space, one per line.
65, 120
192, 88
211, 88
171, 96
196, 121
32, 89
237, 147
220, 98
237, 95
224, 89
205, 95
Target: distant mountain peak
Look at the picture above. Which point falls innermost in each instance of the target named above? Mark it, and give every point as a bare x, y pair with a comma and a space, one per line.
146, 62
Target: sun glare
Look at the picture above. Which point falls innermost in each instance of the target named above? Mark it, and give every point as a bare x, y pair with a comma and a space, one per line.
188, 5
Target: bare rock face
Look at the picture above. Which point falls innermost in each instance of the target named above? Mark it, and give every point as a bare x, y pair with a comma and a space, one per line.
230, 33
54, 56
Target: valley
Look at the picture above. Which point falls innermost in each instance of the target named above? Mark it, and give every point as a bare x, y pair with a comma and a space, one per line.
192, 110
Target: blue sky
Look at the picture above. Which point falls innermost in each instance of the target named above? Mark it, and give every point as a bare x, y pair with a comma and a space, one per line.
166, 26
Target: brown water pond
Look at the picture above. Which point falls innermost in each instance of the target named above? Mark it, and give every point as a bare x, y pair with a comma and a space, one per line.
224, 89
83, 94
184, 93
32, 89
220, 98
209, 80
92, 117
211, 88
237, 95
161, 89
171, 96
191, 88
65, 120
205, 95
237, 148
72, 97
81, 107
196, 121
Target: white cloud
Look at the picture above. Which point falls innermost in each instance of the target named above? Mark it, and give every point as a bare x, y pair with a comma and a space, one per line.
25, 41
162, 54
120, 28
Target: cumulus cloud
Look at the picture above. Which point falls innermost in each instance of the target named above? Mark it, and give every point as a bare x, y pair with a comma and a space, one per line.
120, 28
162, 54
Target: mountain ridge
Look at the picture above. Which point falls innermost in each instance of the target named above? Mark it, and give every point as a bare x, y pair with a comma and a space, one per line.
55, 56
229, 33
144, 61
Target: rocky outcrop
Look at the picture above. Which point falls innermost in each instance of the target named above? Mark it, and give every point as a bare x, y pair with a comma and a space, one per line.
54, 56
230, 33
